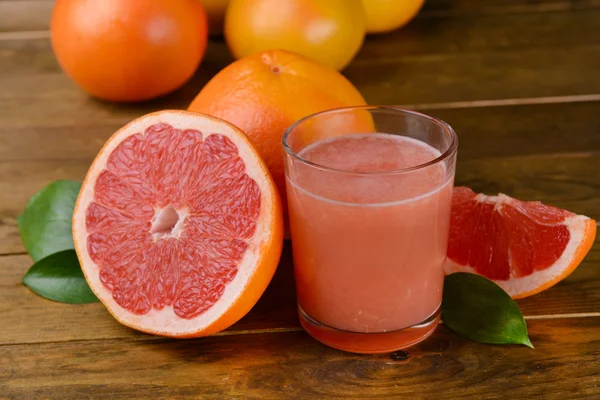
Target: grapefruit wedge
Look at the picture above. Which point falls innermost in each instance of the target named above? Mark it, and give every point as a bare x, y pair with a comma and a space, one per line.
178, 226
524, 246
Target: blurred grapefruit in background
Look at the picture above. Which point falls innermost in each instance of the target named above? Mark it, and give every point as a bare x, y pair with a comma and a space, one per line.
388, 15
329, 31
129, 50
265, 93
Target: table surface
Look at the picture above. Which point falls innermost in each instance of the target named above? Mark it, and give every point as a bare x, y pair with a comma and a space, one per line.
520, 83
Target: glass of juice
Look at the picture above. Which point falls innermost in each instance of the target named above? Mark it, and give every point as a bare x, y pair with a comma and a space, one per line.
369, 192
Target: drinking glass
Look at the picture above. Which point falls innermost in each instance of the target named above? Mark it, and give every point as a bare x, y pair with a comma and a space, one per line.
369, 191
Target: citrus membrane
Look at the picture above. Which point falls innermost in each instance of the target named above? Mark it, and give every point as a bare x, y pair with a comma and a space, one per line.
172, 220
524, 246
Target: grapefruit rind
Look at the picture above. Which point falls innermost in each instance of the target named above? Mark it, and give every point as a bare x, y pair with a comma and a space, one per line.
264, 247
582, 231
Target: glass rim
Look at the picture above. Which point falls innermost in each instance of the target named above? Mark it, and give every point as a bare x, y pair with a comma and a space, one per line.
445, 126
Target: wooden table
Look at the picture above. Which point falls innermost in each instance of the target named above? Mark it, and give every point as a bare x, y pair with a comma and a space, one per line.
520, 83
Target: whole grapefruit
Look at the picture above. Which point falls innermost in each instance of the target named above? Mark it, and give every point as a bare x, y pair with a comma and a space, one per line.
388, 15
265, 93
129, 50
329, 31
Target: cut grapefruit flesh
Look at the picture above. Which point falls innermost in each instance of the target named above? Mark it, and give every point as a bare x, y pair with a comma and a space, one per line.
523, 246
178, 226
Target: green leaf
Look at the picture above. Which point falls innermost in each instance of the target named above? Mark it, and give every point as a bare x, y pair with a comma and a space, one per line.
45, 225
480, 310
58, 277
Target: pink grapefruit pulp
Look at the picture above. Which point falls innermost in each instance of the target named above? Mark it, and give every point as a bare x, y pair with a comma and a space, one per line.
178, 225
523, 246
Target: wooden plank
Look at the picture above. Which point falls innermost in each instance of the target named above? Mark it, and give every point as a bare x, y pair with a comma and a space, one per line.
460, 34
34, 15
25, 15
548, 155
525, 73
33, 319
564, 180
564, 364
478, 7
568, 181
452, 59
20, 181
49, 98
35, 92
483, 132
524, 130
579, 293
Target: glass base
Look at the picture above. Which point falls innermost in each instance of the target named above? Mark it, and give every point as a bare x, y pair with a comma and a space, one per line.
369, 343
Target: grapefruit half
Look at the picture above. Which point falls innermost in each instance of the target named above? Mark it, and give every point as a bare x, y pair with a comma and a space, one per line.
178, 226
524, 246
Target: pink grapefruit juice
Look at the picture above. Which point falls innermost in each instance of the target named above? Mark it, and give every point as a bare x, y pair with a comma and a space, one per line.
369, 241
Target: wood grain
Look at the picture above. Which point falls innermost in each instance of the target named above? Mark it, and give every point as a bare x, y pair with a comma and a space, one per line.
293, 366
457, 53
477, 7
569, 181
35, 92
276, 310
566, 181
484, 132
439, 59
54, 321
442, 35
579, 293
524, 130
25, 15
34, 15
473, 76
48, 98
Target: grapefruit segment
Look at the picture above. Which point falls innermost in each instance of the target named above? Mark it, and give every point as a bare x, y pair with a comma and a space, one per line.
178, 225
525, 247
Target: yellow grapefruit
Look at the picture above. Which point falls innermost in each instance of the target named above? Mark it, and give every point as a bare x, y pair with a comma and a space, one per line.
388, 15
330, 32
